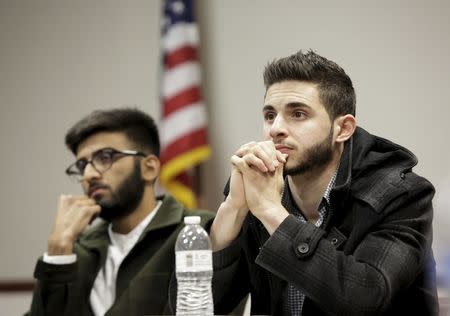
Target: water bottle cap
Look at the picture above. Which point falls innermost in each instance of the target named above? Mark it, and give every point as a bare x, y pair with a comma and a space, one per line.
192, 220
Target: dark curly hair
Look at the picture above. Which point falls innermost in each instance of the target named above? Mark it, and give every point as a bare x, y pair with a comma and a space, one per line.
335, 87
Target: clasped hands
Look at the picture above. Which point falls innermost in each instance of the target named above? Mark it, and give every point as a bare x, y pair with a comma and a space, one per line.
257, 182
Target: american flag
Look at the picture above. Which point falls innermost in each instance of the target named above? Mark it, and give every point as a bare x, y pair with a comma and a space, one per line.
183, 129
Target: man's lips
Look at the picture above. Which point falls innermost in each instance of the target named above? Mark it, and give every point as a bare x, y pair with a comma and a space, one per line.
283, 148
94, 190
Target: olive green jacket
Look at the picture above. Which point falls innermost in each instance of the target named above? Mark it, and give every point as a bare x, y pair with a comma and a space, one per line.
142, 286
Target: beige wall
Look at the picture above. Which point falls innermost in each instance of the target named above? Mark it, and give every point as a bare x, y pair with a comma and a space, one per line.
61, 59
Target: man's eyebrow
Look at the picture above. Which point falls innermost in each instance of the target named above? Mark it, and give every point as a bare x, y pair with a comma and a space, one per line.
295, 105
268, 108
289, 106
92, 153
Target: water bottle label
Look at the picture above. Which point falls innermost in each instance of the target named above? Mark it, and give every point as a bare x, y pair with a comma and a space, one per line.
194, 260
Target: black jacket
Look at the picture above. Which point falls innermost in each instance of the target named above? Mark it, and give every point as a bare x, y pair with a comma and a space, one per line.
372, 255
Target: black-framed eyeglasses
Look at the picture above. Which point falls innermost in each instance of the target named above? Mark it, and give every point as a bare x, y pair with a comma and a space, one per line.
101, 160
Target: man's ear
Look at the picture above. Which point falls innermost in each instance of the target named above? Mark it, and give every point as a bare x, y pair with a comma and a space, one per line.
344, 127
150, 166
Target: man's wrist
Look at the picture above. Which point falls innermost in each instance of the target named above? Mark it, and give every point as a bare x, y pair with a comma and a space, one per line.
271, 216
230, 206
59, 247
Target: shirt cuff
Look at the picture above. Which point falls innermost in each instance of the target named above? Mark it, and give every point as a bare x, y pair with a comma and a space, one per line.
62, 259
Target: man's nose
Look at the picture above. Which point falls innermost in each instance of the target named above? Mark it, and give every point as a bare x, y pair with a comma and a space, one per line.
90, 172
278, 127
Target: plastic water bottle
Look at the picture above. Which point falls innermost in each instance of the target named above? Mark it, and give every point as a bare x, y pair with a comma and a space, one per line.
193, 260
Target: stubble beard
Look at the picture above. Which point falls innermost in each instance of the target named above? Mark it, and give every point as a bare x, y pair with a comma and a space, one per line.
315, 157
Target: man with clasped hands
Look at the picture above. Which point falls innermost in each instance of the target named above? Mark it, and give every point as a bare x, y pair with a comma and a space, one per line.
322, 218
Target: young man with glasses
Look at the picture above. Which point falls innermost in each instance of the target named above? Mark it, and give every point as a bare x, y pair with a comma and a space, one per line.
124, 265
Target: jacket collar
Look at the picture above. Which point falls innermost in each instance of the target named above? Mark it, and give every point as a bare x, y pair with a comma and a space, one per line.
343, 181
366, 160
170, 213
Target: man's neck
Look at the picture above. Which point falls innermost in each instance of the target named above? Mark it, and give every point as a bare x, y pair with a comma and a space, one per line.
126, 224
309, 188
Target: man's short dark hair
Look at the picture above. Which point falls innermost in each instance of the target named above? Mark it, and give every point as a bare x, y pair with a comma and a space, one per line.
138, 126
335, 86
